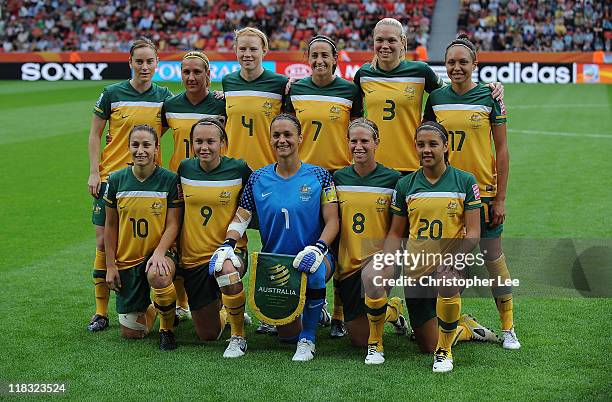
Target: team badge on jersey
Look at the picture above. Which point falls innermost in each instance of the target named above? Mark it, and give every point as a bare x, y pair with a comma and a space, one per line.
305, 193
410, 92
451, 208
156, 208
267, 108
381, 204
225, 197
334, 113
476, 120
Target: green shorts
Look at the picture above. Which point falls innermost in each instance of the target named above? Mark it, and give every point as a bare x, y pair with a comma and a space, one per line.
202, 288
98, 213
352, 296
135, 292
420, 303
486, 231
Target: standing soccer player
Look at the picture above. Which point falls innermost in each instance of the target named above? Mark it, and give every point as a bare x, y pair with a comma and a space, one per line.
180, 113
392, 89
253, 97
142, 222
475, 123
325, 104
123, 105
212, 185
298, 215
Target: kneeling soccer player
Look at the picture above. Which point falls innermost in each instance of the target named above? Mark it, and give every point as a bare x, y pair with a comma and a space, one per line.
298, 215
142, 222
420, 205
212, 185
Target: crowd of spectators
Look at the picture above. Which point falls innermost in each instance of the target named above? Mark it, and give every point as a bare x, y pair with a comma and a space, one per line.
111, 25
538, 25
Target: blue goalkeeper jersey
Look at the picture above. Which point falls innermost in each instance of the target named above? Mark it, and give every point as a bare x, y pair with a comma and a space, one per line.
289, 210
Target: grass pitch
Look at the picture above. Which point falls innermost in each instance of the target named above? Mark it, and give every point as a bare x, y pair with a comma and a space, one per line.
560, 187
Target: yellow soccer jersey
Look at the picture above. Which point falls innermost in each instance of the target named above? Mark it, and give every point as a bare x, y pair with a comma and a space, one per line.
211, 200
250, 108
468, 119
436, 212
180, 115
364, 215
124, 108
142, 208
324, 113
394, 100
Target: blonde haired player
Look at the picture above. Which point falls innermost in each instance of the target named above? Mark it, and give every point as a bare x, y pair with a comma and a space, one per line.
253, 96
180, 113
393, 89
475, 123
123, 106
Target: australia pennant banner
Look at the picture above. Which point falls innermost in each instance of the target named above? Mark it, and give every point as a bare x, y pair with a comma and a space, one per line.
277, 290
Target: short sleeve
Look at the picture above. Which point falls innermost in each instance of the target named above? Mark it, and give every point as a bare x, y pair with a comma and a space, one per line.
357, 108
175, 195
398, 201
498, 114
110, 194
428, 114
102, 108
472, 194
432, 80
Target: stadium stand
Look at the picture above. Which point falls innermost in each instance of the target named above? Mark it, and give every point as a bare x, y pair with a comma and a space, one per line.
536, 25
96, 25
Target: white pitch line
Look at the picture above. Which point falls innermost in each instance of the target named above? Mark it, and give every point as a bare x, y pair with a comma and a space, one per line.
563, 134
563, 106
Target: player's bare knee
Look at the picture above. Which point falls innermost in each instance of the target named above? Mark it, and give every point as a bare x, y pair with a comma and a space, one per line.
158, 281
207, 333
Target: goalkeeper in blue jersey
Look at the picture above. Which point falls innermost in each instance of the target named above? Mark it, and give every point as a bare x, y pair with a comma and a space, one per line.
297, 208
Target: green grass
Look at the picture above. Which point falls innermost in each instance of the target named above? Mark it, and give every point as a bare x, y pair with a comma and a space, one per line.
560, 187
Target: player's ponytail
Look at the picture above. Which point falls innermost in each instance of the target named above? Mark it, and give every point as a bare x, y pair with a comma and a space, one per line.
438, 129
462, 40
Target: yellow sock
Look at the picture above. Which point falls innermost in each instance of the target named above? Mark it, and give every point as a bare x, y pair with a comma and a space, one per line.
376, 312
223, 317
498, 270
100, 287
338, 307
181, 295
165, 303
394, 307
235, 311
150, 316
448, 310
462, 334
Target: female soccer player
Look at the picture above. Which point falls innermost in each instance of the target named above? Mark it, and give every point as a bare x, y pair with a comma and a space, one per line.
182, 111
436, 204
211, 186
142, 222
364, 196
392, 89
123, 105
324, 104
298, 215
474, 120
253, 97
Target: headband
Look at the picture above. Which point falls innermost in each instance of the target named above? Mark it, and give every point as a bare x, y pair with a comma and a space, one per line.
324, 39
196, 55
212, 123
363, 124
430, 127
472, 52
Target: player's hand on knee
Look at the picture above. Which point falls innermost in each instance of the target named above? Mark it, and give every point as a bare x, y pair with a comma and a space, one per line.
225, 252
158, 263
309, 259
